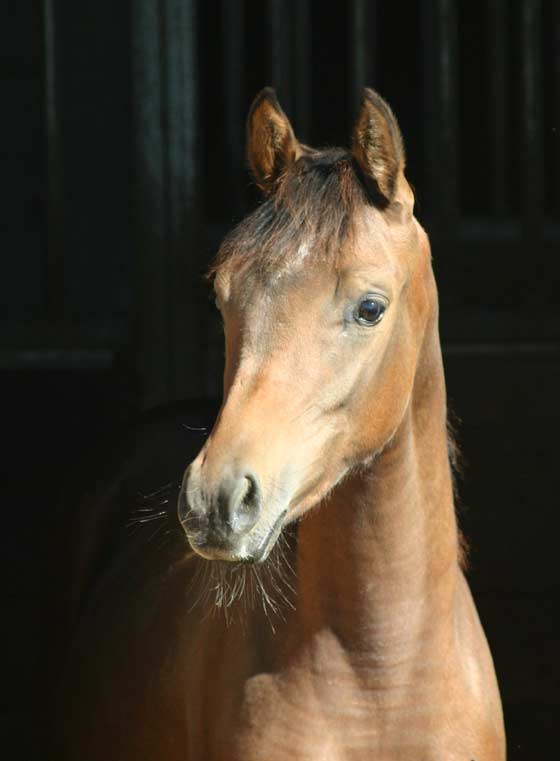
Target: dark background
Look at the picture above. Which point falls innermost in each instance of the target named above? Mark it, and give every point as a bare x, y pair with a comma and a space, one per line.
122, 167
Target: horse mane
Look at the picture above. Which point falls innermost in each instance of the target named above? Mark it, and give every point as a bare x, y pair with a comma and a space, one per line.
313, 207
456, 465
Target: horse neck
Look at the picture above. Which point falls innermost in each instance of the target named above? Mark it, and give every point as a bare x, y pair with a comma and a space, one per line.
378, 562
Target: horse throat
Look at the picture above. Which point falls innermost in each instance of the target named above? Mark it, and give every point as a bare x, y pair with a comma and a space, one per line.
378, 561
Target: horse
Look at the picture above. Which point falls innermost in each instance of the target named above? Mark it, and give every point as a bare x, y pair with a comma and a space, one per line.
307, 598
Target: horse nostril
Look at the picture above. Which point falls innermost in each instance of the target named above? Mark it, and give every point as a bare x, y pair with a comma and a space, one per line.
251, 493
240, 503
247, 506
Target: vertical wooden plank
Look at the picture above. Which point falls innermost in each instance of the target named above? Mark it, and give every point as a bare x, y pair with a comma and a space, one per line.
301, 74
531, 116
152, 347
498, 106
233, 17
95, 121
447, 88
362, 44
289, 36
280, 50
555, 163
442, 127
185, 267
54, 169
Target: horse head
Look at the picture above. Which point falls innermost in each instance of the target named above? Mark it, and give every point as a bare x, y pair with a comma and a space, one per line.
325, 290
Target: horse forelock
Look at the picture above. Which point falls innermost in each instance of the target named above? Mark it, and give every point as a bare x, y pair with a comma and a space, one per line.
309, 217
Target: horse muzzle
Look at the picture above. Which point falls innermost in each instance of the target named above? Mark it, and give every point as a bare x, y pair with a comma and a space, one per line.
226, 521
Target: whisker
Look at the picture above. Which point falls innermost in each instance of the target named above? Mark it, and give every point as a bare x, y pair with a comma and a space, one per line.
157, 492
147, 518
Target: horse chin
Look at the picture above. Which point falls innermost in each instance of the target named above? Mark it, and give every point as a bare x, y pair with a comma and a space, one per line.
249, 548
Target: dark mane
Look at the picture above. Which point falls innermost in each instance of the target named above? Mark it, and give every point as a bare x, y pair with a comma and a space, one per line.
314, 204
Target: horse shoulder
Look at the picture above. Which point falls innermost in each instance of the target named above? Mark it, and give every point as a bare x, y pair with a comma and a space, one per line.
477, 675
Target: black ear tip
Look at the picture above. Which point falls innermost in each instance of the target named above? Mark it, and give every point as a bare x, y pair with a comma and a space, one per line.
372, 97
269, 94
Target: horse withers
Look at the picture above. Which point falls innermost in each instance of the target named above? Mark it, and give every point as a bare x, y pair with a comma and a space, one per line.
310, 603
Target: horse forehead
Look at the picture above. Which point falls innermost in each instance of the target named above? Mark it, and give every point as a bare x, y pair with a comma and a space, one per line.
382, 243
372, 245
260, 281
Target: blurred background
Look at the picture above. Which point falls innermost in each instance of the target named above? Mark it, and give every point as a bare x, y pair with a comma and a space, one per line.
123, 166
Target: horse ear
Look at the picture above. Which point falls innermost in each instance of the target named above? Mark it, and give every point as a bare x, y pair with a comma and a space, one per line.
271, 143
377, 146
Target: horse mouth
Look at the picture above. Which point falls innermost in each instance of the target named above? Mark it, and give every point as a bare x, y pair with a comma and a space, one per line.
248, 548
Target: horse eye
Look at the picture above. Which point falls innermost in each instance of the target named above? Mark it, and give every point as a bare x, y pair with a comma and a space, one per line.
370, 310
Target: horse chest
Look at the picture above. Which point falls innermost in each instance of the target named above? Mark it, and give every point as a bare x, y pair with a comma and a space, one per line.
218, 697
306, 718
323, 712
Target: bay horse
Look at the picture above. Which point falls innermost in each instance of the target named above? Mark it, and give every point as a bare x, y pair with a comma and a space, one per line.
308, 601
